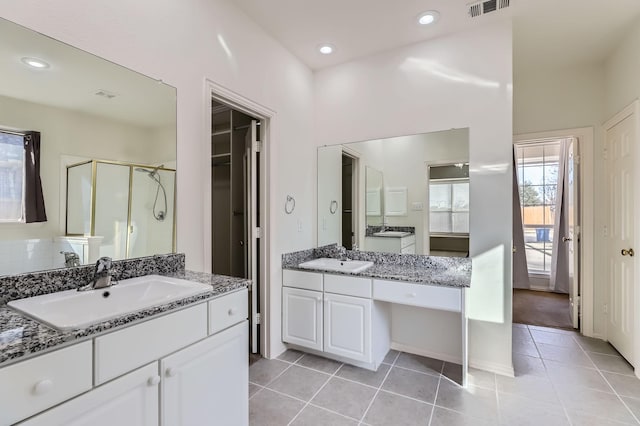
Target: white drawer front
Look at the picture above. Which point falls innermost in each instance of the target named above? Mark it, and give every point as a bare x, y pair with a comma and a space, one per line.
427, 296
303, 280
124, 350
407, 241
349, 286
31, 386
228, 310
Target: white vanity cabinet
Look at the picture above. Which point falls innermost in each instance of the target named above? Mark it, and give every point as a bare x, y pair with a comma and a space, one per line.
404, 245
302, 317
347, 327
129, 400
189, 367
202, 385
336, 318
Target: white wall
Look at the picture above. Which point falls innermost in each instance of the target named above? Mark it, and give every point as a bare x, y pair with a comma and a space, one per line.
463, 80
183, 43
622, 73
67, 132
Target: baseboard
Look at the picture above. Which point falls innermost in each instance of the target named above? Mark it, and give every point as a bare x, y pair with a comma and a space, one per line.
501, 369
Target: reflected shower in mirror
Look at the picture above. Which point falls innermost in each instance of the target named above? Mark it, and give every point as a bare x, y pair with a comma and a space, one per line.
410, 194
98, 124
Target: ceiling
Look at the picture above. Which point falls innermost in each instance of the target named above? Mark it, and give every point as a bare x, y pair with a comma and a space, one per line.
74, 77
554, 32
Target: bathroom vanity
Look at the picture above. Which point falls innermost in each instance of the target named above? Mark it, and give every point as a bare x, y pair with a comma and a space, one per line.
347, 316
176, 363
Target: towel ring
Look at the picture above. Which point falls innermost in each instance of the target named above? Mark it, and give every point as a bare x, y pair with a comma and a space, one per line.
333, 207
289, 205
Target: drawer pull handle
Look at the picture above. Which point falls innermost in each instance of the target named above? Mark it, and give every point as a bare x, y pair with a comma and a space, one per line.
170, 372
232, 311
411, 295
153, 381
42, 387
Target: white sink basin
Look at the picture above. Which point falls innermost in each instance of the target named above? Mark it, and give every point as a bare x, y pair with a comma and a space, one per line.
328, 264
391, 234
72, 309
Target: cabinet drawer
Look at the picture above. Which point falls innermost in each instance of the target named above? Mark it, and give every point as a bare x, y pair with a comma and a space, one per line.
301, 279
133, 347
426, 296
349, 286
228, 310
34, 385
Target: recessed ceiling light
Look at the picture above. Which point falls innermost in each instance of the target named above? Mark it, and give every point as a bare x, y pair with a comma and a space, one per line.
35, 63
326, 49
428, 17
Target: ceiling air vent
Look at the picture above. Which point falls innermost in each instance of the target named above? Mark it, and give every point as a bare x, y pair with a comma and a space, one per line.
482, 7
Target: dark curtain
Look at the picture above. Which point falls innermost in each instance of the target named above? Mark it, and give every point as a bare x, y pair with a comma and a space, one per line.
33, 197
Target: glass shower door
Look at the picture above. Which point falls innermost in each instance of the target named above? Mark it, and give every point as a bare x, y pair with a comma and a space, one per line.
112, 208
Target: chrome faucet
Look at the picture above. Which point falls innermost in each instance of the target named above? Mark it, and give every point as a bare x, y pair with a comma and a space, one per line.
71, 259
101, 275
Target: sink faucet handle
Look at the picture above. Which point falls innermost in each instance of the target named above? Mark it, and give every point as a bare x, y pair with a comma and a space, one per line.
103, 266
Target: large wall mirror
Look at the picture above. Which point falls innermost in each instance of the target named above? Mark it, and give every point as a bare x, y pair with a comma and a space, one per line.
407, 194
87, 157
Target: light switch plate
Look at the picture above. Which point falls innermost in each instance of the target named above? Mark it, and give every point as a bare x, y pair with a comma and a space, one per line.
417, 206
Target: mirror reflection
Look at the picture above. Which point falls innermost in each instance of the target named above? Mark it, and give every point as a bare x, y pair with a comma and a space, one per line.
87, 157
407, 194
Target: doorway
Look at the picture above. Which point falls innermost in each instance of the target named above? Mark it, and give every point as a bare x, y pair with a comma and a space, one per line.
547, 233
349, 203
236, 145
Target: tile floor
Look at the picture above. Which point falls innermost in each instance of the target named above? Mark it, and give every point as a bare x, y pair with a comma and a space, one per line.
562, 378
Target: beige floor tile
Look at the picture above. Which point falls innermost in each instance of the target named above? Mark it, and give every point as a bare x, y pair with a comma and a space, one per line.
444, 417
470, 401
315, 416
299, 382
412, 384
325, 365
557, 339
420, 363
367, 377
265, 370
516, 410
611, 363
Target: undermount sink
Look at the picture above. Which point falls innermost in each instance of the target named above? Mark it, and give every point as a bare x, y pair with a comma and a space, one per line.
72, 309
391, 234
329, 264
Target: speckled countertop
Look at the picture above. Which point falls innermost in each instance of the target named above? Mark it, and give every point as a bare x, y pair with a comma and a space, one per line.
418, 269
22, 337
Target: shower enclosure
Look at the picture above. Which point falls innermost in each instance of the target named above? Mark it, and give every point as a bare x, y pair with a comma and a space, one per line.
130, 205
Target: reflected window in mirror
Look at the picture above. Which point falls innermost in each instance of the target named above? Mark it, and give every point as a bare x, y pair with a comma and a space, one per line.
449, 209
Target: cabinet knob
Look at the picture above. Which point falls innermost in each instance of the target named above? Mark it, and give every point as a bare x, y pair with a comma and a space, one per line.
232, 311
153, 381
42, 387
170, 372
318, 299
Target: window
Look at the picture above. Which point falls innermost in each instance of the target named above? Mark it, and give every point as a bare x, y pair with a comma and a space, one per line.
11, 177
537, 171
449, 206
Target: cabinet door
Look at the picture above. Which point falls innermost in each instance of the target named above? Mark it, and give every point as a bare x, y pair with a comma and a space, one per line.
302, 317
207, 383
347, 326
130, 400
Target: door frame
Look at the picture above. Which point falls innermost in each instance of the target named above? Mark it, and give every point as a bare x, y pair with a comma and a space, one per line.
266, 116
585, 136
633, 109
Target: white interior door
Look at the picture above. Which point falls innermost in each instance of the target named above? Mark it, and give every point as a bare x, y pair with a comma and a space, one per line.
573, 238
620, 150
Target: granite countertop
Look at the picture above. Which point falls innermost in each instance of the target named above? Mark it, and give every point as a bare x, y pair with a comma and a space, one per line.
22, 337
417, 269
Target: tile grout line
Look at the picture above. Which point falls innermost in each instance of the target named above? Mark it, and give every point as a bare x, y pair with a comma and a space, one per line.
378, 390
548, 377
435, 397
611, 386
271, 381
315, 394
